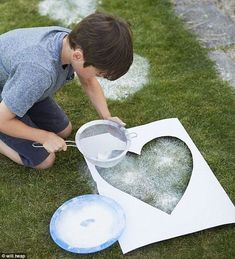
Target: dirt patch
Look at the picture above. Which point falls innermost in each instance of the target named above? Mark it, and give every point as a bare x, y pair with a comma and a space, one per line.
226, 6
214, 28
213, 21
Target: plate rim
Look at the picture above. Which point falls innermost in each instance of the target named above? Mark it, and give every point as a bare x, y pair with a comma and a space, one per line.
115, 206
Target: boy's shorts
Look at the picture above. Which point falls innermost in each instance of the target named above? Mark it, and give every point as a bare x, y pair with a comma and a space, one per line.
46, 115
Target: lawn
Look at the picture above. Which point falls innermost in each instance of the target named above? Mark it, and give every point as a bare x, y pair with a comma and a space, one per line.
183, 83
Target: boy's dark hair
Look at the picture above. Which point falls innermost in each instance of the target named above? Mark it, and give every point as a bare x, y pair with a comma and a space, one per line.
106, 42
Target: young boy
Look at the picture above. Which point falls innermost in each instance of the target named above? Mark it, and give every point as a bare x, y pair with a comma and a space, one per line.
36, 62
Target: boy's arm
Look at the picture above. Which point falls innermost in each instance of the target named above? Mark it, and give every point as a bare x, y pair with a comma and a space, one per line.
11, 126
96, 95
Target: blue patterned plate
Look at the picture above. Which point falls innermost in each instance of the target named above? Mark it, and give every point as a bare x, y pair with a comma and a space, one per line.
87, 224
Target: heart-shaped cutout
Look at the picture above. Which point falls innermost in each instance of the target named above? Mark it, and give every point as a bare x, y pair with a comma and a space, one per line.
159, 176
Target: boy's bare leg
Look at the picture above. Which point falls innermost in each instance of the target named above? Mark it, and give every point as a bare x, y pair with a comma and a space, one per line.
66, 132
10, 153
48, 162
14, 156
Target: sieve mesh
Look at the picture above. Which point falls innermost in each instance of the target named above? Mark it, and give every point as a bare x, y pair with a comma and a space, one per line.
102, 141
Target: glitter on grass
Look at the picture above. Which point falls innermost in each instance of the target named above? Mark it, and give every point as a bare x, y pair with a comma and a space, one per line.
68, 12
131, 82
159, 176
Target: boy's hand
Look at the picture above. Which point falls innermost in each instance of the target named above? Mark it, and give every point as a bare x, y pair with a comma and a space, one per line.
54, 143
117, 120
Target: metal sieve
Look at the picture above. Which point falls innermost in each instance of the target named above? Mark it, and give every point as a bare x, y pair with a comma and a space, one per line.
104, 143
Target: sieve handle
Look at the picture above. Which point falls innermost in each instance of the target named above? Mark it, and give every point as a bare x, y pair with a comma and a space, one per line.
69, 143
73, 143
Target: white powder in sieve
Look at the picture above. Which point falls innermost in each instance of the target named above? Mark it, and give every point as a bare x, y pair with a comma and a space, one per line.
86, 227
103, 156
69, 11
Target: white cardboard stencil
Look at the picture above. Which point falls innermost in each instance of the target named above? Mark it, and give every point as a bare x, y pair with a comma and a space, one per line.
203, 205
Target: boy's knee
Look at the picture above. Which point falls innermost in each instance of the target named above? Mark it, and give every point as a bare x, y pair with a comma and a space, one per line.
47, 163
66, 132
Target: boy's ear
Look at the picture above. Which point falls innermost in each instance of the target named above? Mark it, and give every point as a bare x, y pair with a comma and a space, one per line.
78, 55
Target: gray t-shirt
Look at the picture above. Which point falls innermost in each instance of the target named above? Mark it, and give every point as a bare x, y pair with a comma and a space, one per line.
30, 66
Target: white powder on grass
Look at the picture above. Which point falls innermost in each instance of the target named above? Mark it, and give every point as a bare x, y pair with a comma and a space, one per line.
131, 82
159, 176
69, 11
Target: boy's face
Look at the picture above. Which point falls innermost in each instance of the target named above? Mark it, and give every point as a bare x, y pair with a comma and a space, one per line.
88, 72
84, 72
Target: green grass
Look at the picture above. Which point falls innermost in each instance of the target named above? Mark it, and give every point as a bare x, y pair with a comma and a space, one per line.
183, 83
